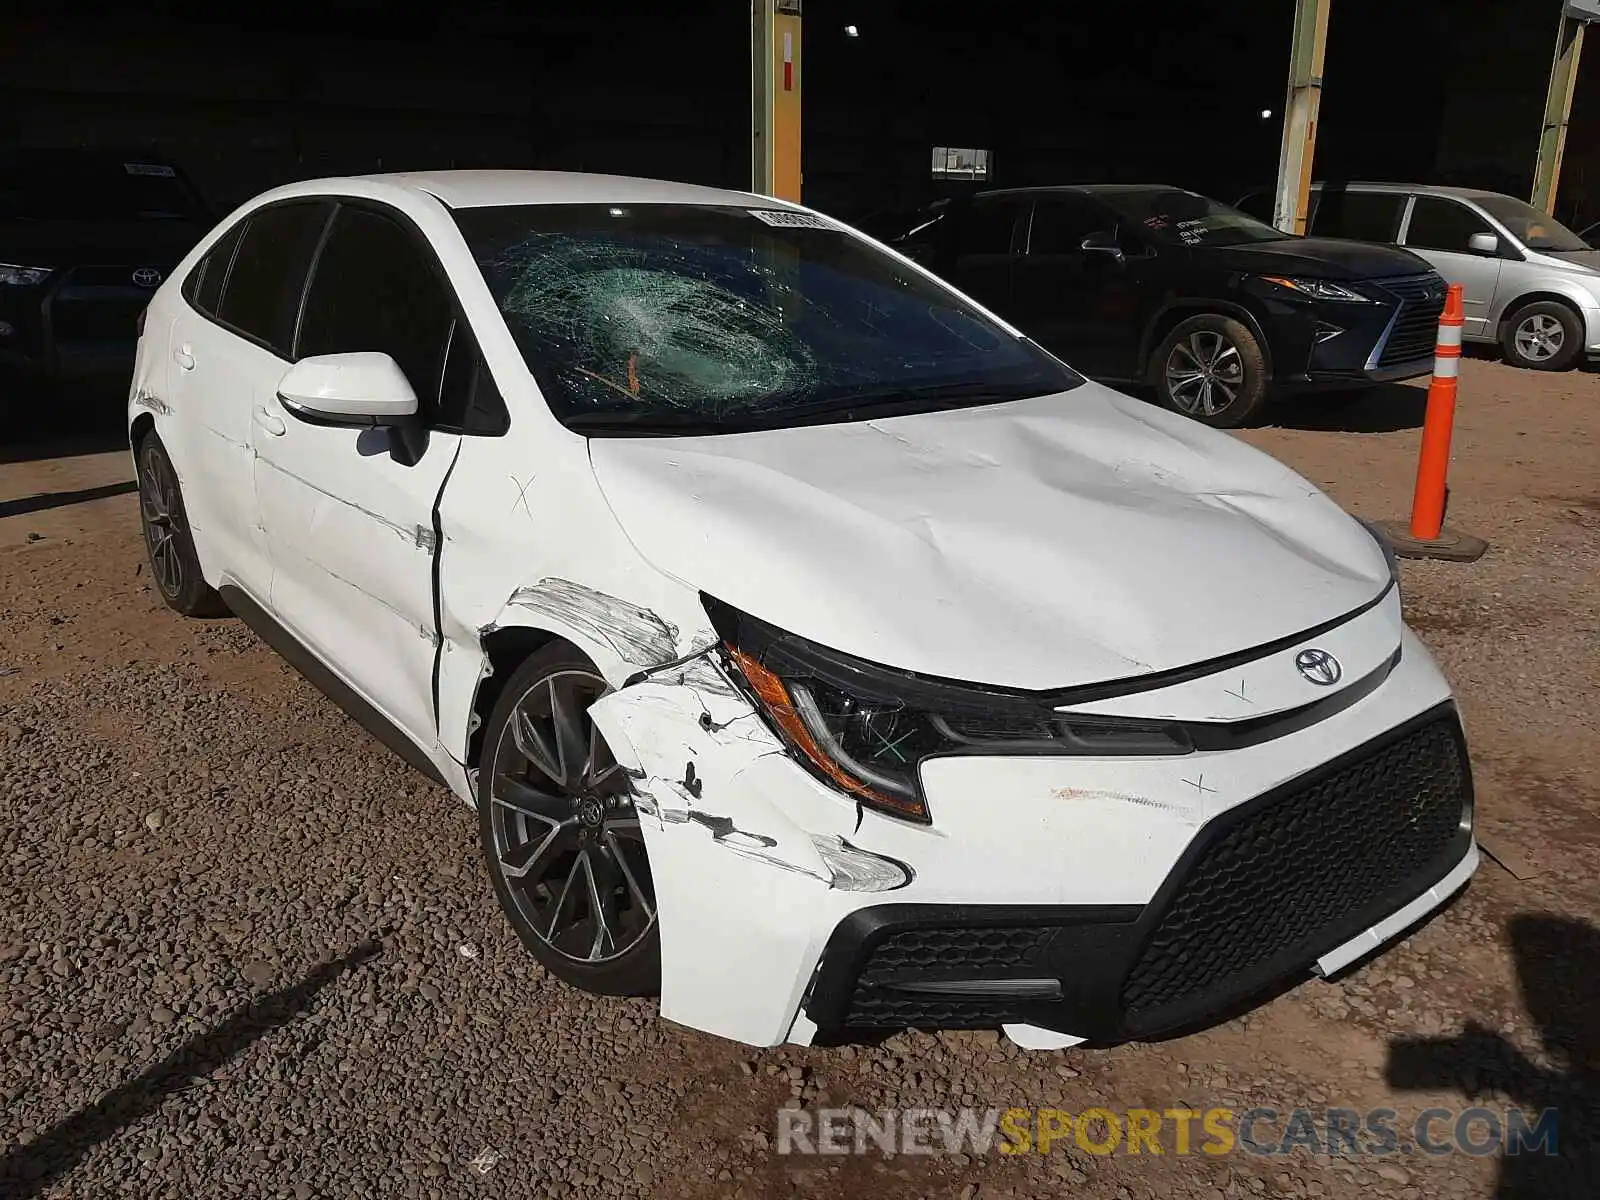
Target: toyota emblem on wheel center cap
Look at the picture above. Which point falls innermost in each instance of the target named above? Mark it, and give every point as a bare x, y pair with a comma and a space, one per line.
1318, 667
147, 277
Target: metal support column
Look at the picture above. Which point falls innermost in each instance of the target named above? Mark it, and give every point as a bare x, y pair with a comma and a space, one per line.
775, 98
1557, 110
1300, 115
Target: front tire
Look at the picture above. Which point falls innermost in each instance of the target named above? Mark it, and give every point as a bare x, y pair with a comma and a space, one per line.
174, 566
1542, 336
560, 834
1211, 368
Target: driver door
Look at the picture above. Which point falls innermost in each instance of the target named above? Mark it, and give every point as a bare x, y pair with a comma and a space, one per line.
1439, 229
349, 512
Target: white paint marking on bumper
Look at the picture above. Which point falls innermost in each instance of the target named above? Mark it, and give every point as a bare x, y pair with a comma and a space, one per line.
1364, 943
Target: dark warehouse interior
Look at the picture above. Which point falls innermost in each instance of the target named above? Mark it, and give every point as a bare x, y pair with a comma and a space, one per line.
245, 98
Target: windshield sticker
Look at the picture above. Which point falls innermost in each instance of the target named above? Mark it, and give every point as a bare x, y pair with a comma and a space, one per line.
157, 169
785, 219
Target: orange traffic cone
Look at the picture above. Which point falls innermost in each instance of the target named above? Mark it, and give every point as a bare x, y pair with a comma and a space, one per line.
1425, 536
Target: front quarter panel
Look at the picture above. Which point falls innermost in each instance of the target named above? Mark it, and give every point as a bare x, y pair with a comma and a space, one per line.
1542, 276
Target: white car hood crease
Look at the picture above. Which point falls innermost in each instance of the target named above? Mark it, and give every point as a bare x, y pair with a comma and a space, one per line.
1043, 543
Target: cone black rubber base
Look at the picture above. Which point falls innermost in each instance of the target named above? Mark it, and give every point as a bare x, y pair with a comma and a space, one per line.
1451, 545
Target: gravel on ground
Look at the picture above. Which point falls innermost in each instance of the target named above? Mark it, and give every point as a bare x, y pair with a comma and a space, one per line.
246, 952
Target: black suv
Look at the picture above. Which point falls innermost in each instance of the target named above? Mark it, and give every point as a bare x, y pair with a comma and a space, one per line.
85, 239
1212, 308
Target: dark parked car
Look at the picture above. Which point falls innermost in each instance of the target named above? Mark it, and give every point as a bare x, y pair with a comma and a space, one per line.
1214, 309
85, 239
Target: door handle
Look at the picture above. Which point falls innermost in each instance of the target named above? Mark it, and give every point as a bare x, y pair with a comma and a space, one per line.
267, 421
183, 356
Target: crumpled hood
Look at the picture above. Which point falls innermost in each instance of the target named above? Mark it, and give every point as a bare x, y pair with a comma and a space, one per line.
1062, 540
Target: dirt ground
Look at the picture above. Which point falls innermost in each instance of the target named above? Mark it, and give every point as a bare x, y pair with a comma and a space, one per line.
245, 952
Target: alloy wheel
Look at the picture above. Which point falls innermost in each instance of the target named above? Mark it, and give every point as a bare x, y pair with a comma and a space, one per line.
1540, 337
1204, 373
565, 831
162, 520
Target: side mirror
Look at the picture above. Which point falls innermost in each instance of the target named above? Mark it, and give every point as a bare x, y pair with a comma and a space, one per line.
1483, 243
365, 388
1104, 242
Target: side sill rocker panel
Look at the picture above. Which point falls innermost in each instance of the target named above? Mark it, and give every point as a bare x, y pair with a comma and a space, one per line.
323, 678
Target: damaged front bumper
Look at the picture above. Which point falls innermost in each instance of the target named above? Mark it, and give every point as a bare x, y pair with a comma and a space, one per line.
1059, 898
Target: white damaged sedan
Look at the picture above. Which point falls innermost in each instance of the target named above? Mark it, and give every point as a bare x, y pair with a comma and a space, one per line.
816, 650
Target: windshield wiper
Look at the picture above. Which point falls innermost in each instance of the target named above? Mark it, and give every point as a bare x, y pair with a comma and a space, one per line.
878, 401
931, 397
644, 423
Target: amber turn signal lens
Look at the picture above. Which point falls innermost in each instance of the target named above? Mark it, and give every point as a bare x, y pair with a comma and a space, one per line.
774, 696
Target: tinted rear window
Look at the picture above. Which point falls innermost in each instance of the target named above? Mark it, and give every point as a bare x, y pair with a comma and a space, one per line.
269, 272
204, 285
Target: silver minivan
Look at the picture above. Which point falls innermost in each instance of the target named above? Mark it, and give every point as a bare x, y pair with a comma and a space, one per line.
1531, 284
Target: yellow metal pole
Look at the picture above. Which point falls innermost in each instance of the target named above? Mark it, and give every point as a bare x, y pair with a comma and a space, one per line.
1300, 115
1557, 111
775, 98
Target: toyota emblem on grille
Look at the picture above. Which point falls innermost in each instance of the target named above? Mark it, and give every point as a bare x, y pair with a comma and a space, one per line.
1319, 667
147, 277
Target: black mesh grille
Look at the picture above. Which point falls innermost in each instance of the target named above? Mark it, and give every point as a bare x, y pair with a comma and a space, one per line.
1275, 884
921, 955
1416, 328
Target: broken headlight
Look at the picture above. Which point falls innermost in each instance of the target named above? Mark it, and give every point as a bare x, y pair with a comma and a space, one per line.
866, 729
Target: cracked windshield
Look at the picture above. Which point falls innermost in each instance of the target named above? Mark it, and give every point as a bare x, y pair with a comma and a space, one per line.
696, 319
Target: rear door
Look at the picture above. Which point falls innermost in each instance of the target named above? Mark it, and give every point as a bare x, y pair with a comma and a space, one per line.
977, 240
1084, 306
1439, 229
229, 347
349, 513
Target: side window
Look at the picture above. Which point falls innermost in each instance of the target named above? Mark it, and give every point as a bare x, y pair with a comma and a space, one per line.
1439, 224
373, 289
469, 401
203, 287
1364, 216
262, 296
984, 227
1060, 225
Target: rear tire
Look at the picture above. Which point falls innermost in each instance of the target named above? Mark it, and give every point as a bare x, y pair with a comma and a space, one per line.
561, 838
1542, 336
1211, 368
174, 566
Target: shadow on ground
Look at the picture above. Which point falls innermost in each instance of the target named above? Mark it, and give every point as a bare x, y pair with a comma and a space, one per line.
1384, 408
1555, 961
27, 1170
31, 504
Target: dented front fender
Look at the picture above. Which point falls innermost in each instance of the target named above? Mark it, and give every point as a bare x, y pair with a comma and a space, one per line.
735, 832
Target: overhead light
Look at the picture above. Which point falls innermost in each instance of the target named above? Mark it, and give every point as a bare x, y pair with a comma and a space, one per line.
851, 31
1266, 114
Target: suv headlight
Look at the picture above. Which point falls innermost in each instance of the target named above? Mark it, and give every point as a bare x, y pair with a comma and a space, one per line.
1319, 289
17, 275
866, 729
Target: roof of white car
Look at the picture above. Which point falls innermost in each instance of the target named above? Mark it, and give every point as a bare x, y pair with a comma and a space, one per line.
483, 189
1421, 189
